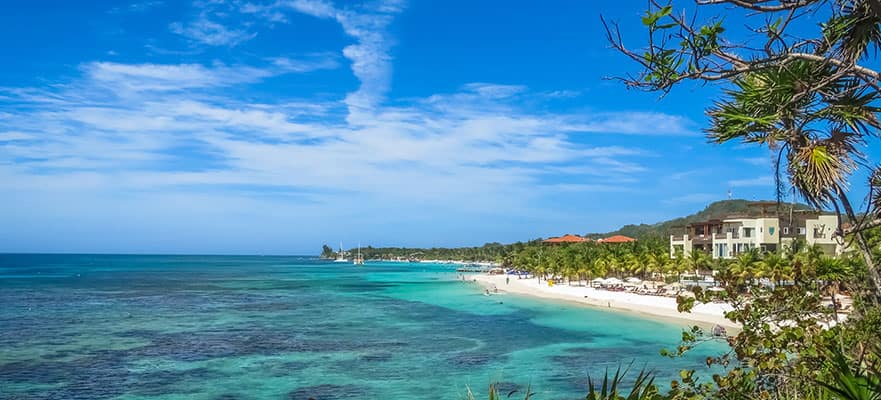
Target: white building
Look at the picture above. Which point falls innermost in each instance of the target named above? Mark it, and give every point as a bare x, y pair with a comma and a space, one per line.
728, 237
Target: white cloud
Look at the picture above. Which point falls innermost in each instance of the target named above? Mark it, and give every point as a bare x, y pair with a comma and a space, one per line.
315, 8
370, 58
267, 12
418, 152
15, 136
138, 7
562, 94
211, 33
586, 188
171, 77
757, 161
494, 91
766, 180
639, 123
691, 198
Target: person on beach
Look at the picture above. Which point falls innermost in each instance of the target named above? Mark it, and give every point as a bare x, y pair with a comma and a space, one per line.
507, 280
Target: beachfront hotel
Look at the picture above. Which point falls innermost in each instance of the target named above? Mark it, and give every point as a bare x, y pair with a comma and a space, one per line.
730, 236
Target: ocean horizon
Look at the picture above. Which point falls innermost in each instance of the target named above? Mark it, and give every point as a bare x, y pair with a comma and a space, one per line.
294, 327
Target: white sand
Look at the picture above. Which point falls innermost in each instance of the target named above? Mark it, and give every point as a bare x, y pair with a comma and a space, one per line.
703, 314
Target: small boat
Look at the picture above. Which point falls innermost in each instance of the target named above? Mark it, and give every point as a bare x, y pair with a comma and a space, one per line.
359, 260
341, 255
719, 331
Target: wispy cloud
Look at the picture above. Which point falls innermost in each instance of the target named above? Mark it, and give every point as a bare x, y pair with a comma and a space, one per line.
757, 161
639, 123
562, 94
418, 151
682, 175
370, 55
692, 198
494, 91
168, 77
586, 188
137, 7
206, 31
766, 180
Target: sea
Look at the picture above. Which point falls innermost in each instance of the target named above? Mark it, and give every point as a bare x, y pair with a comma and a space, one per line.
261, 327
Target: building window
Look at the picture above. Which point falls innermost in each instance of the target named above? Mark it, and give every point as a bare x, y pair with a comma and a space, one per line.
785, 230
802, 231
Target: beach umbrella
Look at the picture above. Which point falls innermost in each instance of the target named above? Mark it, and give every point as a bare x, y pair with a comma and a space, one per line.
613, 281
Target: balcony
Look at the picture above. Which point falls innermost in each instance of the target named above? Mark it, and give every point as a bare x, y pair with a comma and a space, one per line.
703, 239
679, 238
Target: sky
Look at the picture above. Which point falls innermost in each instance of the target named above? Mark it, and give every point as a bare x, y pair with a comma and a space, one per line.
272, 127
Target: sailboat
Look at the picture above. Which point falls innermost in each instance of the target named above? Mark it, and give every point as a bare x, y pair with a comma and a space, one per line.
341, 255
359, 259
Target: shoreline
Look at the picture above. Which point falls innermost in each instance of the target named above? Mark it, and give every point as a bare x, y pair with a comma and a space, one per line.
655, 307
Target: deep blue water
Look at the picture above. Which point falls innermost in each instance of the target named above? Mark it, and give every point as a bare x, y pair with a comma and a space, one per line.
224, 327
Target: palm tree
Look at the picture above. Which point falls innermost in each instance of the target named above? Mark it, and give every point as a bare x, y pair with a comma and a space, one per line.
746, 267
655, 261
776, 267
814, 120
601, 266
633, 264
697, 261
830, 273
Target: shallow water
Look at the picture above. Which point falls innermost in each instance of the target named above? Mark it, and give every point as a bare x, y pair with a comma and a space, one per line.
218, 327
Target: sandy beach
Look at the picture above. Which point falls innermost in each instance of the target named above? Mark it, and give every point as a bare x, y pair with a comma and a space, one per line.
705, 315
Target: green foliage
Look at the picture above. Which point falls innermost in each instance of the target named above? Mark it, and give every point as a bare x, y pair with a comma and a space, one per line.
643, 387
714, 210
807, 90
493, 393
849, 382
655, 236
327, 252
789, 334
488, 252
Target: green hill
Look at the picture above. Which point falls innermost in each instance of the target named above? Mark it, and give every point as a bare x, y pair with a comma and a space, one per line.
718, 209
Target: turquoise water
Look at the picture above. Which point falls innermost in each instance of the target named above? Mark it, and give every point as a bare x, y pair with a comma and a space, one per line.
212, 327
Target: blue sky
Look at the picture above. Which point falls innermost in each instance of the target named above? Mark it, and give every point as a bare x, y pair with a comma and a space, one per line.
229, 126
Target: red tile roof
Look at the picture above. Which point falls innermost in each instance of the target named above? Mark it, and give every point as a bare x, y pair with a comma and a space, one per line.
617, 239
568, 238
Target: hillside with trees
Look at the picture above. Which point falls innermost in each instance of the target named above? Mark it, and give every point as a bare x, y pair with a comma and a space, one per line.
719, 209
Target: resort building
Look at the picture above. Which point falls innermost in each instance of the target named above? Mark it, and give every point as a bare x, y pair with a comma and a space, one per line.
570, 238
728, 237
567, 238
617, 239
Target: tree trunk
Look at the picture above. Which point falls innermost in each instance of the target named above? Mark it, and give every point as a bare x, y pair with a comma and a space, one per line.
865, 249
